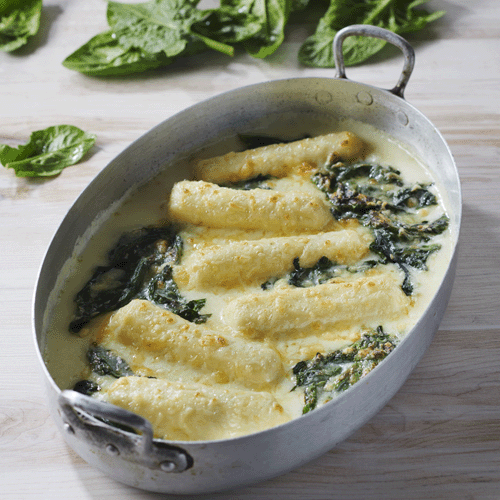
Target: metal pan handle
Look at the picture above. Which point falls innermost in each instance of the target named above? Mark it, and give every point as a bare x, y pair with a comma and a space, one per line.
117, 432
383, 34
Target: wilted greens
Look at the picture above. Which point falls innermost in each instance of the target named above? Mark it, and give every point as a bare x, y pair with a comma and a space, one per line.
378, 197
19, 20
106, 362
102, 362
257, 182
48, 151
321, 272
155, 33
252, 141
139, 267
325, 375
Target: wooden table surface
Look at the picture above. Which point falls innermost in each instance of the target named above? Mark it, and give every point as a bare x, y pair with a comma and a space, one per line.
439, 437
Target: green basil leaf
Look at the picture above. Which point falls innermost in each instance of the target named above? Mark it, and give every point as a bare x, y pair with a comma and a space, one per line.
399, 16
19, 19
48, 151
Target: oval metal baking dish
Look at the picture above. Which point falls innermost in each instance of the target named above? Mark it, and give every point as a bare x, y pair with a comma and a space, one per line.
200, 467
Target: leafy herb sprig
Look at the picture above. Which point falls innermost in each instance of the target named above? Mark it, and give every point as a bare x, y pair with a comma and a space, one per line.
325, 375
48, 151
19, 20
155, 33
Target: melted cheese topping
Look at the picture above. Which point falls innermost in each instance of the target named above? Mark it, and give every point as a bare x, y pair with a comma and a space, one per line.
232, 375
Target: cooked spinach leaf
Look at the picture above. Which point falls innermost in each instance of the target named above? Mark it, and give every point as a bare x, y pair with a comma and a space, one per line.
162, 290
323, 271
399, 16
325, 375
139, 267
354, 190
400, 231
414, 255
379, 199
19, 20
252, 141
48, 151
86, 387
131, 263
106, 362
259, 181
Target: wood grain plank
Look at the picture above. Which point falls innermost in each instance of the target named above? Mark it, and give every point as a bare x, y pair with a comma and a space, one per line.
439, 437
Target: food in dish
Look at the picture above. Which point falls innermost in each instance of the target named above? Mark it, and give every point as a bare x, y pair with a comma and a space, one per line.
276, 279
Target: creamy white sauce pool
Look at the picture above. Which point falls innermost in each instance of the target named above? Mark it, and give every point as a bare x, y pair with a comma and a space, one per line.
65, 352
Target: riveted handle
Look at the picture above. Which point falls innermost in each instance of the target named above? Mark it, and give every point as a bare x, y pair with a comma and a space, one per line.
383, 34
119, 433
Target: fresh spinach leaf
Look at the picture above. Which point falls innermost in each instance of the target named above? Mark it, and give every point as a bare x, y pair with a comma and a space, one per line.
399, 16
153, 34
273, 16
19, 20
145, 36
229, 24
298, 5
159, 26
102, 55
325, 375
48, 151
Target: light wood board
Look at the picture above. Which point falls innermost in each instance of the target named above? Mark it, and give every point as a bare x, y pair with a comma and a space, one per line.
439, 437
